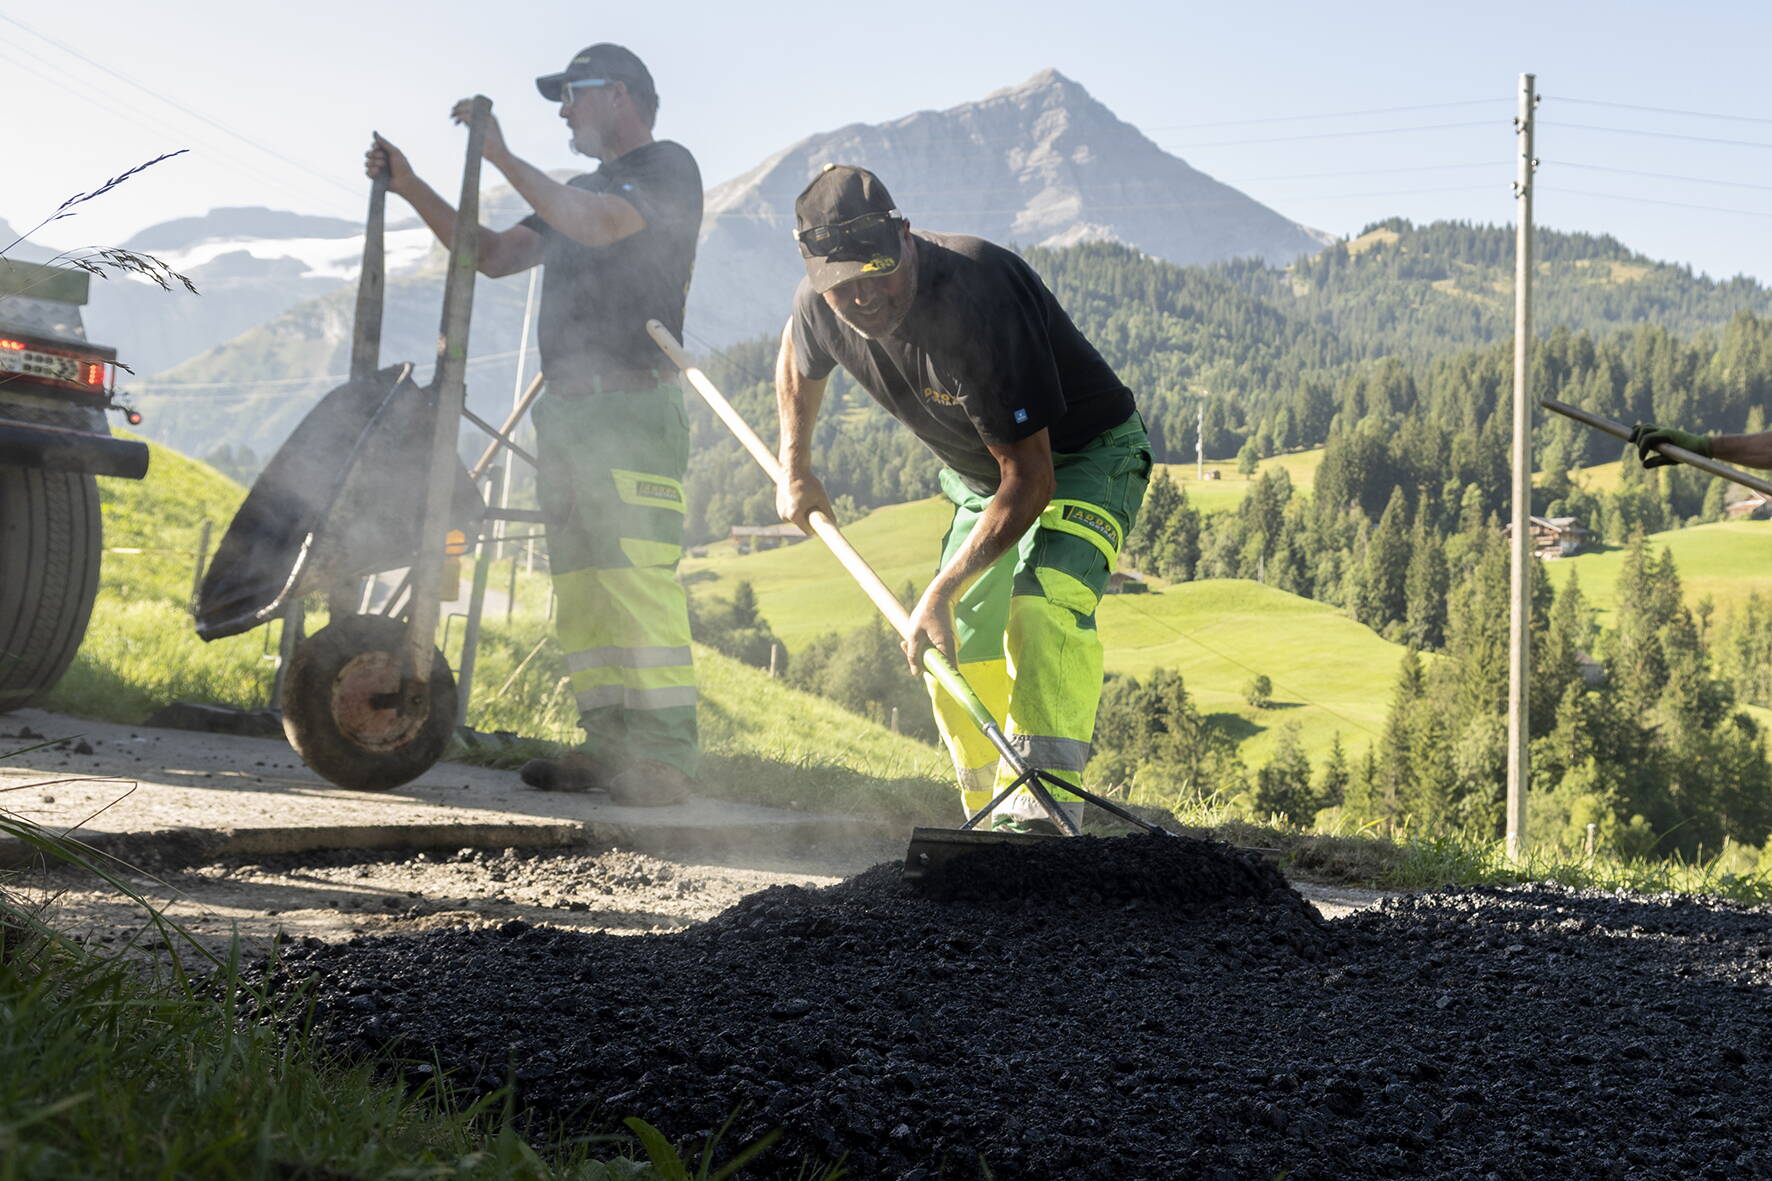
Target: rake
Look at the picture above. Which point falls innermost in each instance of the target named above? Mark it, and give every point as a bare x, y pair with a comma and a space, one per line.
930, 847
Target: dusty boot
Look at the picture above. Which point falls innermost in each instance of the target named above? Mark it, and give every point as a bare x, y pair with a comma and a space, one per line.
576, 770
648, 783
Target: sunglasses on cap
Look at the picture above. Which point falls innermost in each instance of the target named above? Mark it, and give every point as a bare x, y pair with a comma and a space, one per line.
861, 234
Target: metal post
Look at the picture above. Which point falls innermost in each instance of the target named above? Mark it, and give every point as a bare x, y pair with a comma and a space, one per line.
470, 639
202, 562
1200, 444
774, 656
293, 620
504, 485
894, 722
1518, 769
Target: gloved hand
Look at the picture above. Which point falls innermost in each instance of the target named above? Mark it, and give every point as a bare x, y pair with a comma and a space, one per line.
1648, 437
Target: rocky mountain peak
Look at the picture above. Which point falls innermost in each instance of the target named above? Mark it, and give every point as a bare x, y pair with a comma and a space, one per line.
1039, 163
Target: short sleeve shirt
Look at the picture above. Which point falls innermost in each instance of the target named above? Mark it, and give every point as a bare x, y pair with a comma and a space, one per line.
596, 299
985, 357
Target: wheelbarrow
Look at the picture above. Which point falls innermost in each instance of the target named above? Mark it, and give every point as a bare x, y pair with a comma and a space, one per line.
369, 482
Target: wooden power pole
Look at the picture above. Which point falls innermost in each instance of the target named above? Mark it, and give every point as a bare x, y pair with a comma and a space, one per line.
1518, 731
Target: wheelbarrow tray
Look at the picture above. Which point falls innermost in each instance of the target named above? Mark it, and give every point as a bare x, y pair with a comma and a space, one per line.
343, 497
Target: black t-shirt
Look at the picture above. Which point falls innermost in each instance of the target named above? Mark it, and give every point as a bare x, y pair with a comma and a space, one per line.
985, 355
596, 300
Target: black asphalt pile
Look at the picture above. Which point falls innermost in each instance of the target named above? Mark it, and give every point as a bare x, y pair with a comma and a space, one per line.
1133, 1008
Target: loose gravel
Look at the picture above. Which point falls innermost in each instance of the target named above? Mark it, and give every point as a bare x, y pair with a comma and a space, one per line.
1128, 1008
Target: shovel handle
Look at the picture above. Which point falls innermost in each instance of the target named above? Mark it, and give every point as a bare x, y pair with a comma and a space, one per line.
934, 662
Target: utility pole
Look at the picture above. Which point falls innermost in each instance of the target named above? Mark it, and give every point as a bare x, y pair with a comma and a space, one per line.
1518, 769
1200, 444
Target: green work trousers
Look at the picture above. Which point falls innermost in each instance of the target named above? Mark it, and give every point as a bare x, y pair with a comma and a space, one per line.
610, 481
1026, 628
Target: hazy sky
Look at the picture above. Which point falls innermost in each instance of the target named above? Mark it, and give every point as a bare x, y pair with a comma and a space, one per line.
1292, 103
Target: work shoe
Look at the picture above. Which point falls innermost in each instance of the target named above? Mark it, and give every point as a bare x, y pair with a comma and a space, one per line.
648, 783
576, 770
1031, 826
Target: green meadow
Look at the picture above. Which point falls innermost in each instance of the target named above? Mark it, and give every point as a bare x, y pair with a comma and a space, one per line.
1330, 674
1724, 561
1227, 489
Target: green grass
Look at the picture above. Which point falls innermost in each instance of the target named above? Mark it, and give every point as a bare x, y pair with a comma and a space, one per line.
1228, 490
140, 649
1329, 672
1725, 560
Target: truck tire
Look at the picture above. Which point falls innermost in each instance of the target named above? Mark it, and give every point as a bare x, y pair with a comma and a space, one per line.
51, 541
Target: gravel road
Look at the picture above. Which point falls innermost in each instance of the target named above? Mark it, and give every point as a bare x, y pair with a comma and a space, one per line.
1129, 1008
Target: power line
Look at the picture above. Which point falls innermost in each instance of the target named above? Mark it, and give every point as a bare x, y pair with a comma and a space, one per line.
1697, 180
1594, 102
115, 110
1655, 201
1697, 139
180, 390
1284, 139
1326, 115
70, 50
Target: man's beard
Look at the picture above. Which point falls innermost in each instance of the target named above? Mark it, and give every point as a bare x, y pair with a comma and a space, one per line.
876, 334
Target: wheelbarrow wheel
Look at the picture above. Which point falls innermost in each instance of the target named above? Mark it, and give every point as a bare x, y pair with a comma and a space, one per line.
339, 712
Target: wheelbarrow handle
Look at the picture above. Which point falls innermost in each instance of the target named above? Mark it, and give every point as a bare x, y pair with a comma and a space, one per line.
371, 285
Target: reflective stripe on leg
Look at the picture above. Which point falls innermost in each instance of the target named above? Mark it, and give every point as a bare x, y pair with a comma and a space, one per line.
1055, 663
975, 759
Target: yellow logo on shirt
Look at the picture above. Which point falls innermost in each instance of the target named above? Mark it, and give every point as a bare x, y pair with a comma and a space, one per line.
940, 398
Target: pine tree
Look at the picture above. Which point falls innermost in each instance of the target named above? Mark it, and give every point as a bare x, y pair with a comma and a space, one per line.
1386, 568
1332, 787
1424, 588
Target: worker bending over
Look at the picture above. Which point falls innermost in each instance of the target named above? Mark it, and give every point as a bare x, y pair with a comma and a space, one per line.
612, 440
1045, 459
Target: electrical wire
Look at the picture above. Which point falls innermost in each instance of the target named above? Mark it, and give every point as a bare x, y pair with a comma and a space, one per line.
1697, 139
1655, 201
145, 89
1697, 180
1474, 102
1285, 139
182, 390
128, 113
1594, 102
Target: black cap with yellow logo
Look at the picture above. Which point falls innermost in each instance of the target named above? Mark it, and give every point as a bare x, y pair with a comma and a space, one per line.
847, 227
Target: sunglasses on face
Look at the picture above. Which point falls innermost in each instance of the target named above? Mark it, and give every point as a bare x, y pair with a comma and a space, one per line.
569, 90
861, 234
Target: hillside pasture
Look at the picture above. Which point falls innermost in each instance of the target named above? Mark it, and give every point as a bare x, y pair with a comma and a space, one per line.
1329, 672
1227, 491
1725, 560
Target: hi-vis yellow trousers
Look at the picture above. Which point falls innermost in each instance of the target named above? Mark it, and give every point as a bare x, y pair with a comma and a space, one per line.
610, 482
1026, 629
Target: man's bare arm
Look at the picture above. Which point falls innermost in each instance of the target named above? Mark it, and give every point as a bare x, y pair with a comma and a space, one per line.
1748, 450
797, 400
1025, 487
502, 252
593, 219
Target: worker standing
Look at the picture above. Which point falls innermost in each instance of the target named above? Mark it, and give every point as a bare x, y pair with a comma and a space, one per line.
617, 246
1045, 460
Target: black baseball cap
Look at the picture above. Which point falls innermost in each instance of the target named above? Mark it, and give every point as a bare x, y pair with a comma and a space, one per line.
603, 60
847, 227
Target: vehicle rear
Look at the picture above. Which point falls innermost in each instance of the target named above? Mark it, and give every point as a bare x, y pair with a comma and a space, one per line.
55, 390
